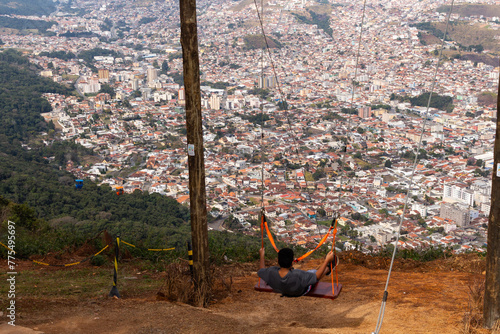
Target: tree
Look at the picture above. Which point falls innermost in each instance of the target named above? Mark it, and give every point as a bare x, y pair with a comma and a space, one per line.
384, 212
164, 67
388, 163
107, 89
319, 173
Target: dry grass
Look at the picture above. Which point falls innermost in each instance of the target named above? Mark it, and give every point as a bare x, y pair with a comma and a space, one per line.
178, 286
473, 317
473, 9
472, 35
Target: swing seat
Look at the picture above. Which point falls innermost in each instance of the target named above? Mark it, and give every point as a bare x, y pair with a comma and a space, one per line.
320, 290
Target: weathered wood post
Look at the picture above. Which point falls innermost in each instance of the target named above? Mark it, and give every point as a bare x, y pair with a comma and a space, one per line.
196, 162
491, 309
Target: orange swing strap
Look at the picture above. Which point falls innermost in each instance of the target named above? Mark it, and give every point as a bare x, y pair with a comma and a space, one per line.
264, 225
322, 241
332, 229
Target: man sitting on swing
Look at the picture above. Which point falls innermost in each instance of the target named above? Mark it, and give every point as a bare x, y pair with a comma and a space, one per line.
288, 281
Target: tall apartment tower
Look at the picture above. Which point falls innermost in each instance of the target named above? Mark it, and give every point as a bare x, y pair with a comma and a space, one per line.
458, 192
266, 82
152, 74
365, 112
214, 102
458, 213
182, 96
103, 74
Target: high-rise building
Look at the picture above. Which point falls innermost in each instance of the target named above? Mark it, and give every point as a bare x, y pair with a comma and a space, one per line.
182, 95
214, 102
458, 213
135, 84
458, 192
266, 82
365, 112
103, 74
152, 74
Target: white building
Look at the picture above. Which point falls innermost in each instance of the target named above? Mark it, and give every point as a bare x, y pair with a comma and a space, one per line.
458, 192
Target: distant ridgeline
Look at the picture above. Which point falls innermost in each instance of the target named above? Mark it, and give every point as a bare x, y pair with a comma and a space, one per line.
47, 192
27, 7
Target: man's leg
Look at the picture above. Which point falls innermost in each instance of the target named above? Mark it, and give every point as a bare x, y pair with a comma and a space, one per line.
328, 268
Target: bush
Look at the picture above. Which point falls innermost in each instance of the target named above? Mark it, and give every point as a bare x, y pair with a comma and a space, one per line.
98, 260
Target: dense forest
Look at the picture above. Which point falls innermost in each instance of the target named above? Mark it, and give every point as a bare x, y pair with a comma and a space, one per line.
27, 7
20, 97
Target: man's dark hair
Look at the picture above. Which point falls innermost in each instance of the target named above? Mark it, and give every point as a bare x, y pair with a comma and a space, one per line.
285, 258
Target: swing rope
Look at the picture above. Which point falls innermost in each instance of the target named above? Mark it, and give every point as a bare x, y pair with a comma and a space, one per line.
384, 298
332, 229
344, 153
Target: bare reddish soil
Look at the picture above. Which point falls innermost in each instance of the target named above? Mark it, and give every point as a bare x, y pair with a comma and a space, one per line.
433, 297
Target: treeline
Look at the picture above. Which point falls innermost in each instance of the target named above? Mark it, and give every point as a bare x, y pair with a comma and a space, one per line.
253, 42
216, 85
59, 55
88, 56
440, 102
27, 7
320, 20
25, 24
146, 20
35, 235
79, 34
255, 119
430, 28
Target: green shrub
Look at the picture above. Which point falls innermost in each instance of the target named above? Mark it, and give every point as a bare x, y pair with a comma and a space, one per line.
98, 260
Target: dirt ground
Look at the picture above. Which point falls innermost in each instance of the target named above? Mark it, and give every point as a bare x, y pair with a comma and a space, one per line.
433, 297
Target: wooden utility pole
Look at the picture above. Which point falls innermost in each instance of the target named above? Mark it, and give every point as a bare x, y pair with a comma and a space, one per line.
491, 309
196, 162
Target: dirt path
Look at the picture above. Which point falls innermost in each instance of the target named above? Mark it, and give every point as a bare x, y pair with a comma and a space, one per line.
421, 300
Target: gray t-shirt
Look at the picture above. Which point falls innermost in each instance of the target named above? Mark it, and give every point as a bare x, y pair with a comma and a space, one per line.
293, 284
